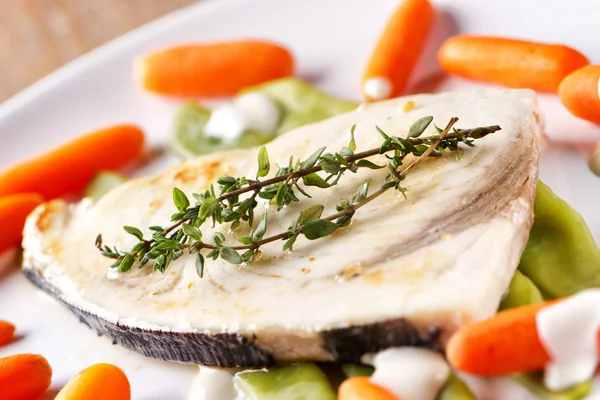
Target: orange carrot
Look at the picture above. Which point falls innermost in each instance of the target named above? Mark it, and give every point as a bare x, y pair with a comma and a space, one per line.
24, 377
98, 382
13, 212
398, 50
213, 70
361, 388
7, 331
510, 62
506, 343
580, 93
71, 166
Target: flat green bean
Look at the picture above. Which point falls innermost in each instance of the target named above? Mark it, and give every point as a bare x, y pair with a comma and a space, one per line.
561, 257
455, 389
294, 382
535, 384
521, 292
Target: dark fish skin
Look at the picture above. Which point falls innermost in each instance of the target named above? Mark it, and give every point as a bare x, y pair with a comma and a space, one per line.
232, 350
351, 343
219, 350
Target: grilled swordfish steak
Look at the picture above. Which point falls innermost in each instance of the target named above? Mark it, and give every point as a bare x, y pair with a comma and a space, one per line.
405, 272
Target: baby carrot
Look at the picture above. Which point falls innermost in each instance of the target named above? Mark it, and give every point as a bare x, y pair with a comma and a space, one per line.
24, 377
71, 166
13, 213
506, 343
98, 382
580, 93
398, 50
510, 62
213, 70
361, 388
7, 330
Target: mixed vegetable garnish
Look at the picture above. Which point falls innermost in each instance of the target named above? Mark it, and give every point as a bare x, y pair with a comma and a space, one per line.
558, 273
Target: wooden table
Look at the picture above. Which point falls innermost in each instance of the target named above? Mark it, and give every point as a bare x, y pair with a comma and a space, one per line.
37, 36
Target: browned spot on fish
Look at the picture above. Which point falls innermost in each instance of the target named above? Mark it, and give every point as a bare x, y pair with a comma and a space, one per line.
311, 259
165, 306
374, 277
154, 180
55, 247
191, 285
274, 276
155, 204
220, 287
305, 270
408, 106
186, 175
44, 219
212, 170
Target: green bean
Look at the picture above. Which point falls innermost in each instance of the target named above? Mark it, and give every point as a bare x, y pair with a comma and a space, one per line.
103, 183
561, 257
297, 381
455, 389
534, 383
522, 291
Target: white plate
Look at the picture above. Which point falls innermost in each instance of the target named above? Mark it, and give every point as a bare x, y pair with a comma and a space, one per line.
331, 40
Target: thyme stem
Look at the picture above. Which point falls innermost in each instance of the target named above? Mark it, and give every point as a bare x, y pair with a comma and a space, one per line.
257, 185
167, 244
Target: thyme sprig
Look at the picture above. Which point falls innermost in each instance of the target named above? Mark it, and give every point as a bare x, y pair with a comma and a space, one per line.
184, 234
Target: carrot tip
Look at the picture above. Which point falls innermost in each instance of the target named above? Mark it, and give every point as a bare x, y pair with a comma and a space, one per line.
378, 88
580, 93
7, 332
99, 381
